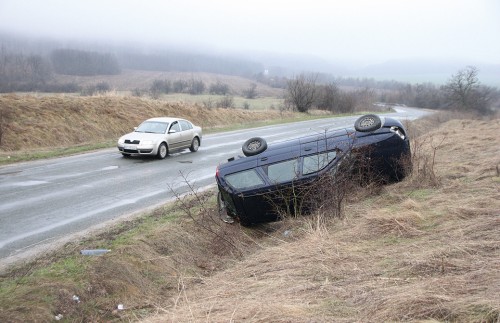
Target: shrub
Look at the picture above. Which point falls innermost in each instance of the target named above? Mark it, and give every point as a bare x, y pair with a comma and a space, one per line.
99, 88
225, 102
219, 88
251, 92
196, 87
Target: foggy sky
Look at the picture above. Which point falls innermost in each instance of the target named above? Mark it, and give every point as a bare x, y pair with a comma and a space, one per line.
361, 31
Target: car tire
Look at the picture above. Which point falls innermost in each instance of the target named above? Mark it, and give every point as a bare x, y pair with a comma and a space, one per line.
195, 144
368, 123
162, 151
254, 146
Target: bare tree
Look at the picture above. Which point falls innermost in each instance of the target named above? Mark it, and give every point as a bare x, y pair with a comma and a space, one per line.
328, 97
347, 102
301, 92
39, 69
461, 89
196, 86
225, 102
251, 92
219, 88
465, 92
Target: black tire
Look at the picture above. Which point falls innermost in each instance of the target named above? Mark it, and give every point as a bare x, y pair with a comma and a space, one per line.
367, 123
195, 144
162, 151
254, 146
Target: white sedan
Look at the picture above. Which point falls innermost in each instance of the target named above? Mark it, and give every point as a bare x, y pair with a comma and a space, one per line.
159, 136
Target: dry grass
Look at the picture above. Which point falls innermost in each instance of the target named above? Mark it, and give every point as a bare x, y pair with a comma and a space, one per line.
57, 121
412, 251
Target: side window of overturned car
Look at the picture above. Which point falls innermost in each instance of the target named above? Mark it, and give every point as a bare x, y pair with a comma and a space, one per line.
317, 162
245, 179
284, 171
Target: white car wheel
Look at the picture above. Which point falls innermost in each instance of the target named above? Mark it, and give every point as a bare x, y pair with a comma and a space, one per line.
195, 144
162, 151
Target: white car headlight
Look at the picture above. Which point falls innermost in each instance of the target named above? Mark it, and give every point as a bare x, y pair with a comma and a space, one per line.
146, 142
121, 141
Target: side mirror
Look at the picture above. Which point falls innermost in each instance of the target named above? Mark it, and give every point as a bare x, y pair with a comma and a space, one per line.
172, 131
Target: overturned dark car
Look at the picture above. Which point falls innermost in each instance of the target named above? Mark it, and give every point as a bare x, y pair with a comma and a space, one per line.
261, 185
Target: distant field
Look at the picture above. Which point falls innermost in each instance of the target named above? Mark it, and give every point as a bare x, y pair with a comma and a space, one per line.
130, 80
260, 103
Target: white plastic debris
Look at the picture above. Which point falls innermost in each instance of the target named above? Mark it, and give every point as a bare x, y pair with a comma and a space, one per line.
120, 307
76, 298
94, 252
58, 317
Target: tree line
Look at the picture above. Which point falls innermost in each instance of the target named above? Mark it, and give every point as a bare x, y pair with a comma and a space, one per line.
189, 62
463, 92
35, 72
83, 63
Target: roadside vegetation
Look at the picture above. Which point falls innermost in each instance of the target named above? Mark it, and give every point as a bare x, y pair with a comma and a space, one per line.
424, 249
34, 126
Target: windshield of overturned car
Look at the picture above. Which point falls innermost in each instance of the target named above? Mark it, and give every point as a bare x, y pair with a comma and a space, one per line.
282, 172
152, 127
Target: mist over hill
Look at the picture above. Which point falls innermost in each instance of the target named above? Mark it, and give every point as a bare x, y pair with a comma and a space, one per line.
427, 70
165, 57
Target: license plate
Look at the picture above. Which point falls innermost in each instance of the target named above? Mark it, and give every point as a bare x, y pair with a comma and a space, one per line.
129, 147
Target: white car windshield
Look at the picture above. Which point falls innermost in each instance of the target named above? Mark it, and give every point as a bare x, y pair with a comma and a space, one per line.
152, 127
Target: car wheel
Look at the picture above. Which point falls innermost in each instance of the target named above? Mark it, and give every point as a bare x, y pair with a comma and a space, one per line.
162, 151
195, 144
367, 123
254, 146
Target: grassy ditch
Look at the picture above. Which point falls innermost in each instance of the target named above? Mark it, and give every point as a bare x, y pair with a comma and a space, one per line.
426, 248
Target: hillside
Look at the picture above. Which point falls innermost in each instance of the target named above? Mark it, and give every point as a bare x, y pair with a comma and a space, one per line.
129, 80
47, 121
425, 249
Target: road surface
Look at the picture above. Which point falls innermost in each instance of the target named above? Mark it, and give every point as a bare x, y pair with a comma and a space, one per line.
45, 203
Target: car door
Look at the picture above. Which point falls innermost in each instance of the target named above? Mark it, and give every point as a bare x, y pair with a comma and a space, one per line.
174, 136
186, 133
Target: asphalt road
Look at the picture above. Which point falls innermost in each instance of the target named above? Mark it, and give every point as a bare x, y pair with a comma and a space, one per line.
45, 203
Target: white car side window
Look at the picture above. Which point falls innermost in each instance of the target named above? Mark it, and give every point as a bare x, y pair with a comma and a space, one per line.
175, 126
185, 125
